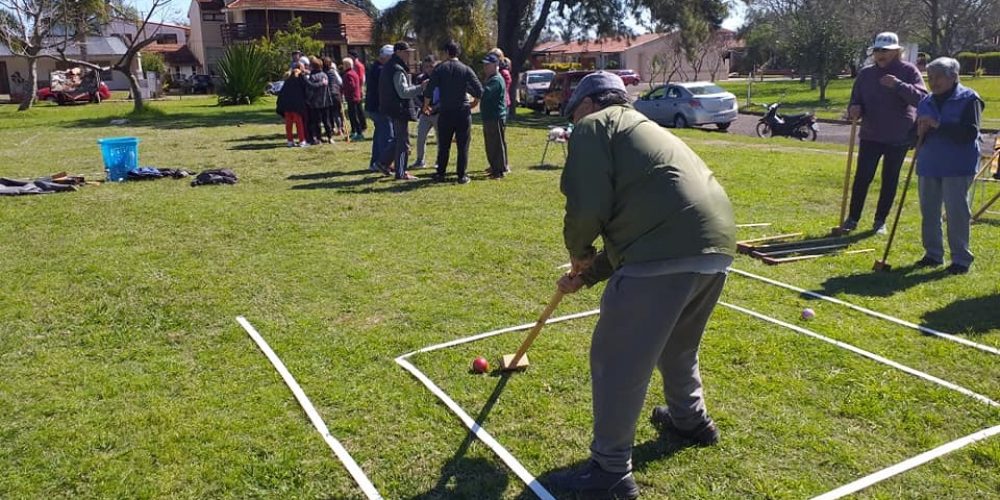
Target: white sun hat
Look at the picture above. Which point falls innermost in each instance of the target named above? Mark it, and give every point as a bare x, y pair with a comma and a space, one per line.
887, 40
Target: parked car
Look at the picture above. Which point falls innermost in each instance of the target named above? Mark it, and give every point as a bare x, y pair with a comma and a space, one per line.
629, 76
560, 89
686, 104
46, 94
199, 84
532, 87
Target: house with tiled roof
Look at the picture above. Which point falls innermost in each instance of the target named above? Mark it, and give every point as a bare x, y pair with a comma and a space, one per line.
638, 53
218, 23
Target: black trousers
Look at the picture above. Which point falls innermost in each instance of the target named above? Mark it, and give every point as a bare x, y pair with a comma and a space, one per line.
314, 120
337, 113
869, 153
326, 118
356, 115
457, 124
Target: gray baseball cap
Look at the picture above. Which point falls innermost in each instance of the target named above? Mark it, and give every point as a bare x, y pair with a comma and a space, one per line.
591, 84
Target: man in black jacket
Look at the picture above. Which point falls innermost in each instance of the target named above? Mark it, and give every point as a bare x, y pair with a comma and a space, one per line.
453, 80
396, 96
381, 123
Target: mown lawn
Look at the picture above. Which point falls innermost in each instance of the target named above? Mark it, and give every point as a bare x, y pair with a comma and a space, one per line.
795, 95
124, 374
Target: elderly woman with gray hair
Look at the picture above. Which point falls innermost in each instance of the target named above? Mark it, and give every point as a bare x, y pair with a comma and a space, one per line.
948, 124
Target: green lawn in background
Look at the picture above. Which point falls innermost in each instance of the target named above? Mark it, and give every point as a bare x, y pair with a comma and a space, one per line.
124, 374
798, 96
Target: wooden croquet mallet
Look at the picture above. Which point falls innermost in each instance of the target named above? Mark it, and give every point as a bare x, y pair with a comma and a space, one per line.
847, 179
519, 360
882, 265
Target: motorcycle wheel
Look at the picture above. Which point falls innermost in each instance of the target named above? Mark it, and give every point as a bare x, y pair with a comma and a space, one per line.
806, 133
764, 130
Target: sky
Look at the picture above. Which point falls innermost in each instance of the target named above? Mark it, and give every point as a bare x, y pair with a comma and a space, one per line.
178, 10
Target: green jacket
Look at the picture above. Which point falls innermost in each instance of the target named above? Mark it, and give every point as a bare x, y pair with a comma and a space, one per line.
644, 191
493, 107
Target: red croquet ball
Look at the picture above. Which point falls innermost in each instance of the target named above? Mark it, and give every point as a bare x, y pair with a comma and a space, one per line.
480, 365
808, 313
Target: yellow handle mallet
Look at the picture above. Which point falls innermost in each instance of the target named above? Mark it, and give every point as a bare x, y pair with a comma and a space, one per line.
519, 360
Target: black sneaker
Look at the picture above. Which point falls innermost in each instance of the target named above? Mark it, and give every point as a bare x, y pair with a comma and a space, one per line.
463, 179
927, 262
706, 434
958, 269
437, 178
591, 481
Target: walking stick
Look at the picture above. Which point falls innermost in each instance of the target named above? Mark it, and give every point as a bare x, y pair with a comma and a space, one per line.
520, 359
882, 265
837, 230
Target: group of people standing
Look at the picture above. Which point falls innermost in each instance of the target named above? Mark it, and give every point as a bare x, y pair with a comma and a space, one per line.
441, 96
898, 113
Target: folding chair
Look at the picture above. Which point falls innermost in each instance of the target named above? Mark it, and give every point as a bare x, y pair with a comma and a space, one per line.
558, 135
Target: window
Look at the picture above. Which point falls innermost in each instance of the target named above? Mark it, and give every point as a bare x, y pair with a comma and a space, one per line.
656, 94
707, 89
167, 38
213, 17
541, 78
674, 93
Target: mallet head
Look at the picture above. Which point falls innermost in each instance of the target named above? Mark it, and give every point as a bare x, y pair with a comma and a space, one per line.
507, 363
881, 265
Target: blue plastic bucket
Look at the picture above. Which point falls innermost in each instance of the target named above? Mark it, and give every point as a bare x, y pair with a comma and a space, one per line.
120, 154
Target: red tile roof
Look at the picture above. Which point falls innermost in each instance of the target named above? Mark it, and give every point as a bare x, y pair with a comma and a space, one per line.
359, 24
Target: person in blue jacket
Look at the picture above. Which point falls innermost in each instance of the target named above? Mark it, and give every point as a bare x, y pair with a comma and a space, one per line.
948, 122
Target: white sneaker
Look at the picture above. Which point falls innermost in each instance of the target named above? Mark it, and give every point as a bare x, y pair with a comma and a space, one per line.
303, 144
291, 144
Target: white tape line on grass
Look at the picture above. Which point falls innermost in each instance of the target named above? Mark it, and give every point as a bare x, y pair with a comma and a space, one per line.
478, 431
870, 312
317, 421
917, 373
526, 326
908, 464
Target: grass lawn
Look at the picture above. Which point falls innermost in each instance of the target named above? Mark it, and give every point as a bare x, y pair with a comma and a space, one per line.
124, 374
795, 95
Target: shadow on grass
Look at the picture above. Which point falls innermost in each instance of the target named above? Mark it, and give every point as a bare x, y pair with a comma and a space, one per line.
325, 175
545, 166
258, 146
880, 283
277, 136
977, 315
212, 117
463, 477
376, 183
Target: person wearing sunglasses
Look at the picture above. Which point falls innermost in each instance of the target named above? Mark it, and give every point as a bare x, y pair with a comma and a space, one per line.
884, 99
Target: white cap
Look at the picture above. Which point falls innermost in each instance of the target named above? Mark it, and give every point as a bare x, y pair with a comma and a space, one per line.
386, 51
304, 61
887, 40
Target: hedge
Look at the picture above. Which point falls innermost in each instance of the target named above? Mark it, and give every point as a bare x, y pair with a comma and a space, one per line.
988, 61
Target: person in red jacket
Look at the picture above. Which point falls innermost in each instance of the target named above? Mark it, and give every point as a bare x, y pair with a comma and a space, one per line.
351, 91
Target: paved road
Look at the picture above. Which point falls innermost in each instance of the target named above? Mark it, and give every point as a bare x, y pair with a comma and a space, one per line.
828, 132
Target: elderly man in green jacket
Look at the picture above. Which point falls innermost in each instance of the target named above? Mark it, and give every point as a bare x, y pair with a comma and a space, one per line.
669, 237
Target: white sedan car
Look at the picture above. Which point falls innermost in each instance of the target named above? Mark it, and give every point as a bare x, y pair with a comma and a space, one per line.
689, 103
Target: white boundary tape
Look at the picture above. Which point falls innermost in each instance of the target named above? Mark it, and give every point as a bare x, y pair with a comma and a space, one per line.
317, 421
870, 312
917, 373
854, 486
908, 464
479, 432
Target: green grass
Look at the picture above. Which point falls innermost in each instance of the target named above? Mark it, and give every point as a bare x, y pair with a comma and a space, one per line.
795, 95
124, 374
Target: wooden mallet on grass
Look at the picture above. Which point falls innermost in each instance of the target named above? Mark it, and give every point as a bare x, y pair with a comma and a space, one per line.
519, 360
882, 265
838, 229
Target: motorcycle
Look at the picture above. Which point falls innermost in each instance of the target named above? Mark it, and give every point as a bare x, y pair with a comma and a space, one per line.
801, 126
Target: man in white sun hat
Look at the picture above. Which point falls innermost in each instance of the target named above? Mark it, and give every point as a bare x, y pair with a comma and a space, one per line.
884, 98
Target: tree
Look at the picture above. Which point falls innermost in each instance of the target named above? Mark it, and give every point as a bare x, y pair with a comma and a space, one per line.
520, 22
32, 29
954, 25
820, 42
433, 22
276, 51
124, 64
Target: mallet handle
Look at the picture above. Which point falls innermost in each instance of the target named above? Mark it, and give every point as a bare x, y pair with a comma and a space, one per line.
535, 330
902, 199
847, 173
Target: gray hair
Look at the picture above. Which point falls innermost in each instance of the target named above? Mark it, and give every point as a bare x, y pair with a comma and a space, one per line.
944, 66
609, 98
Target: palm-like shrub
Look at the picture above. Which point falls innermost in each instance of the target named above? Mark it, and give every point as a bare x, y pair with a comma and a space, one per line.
244, 75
